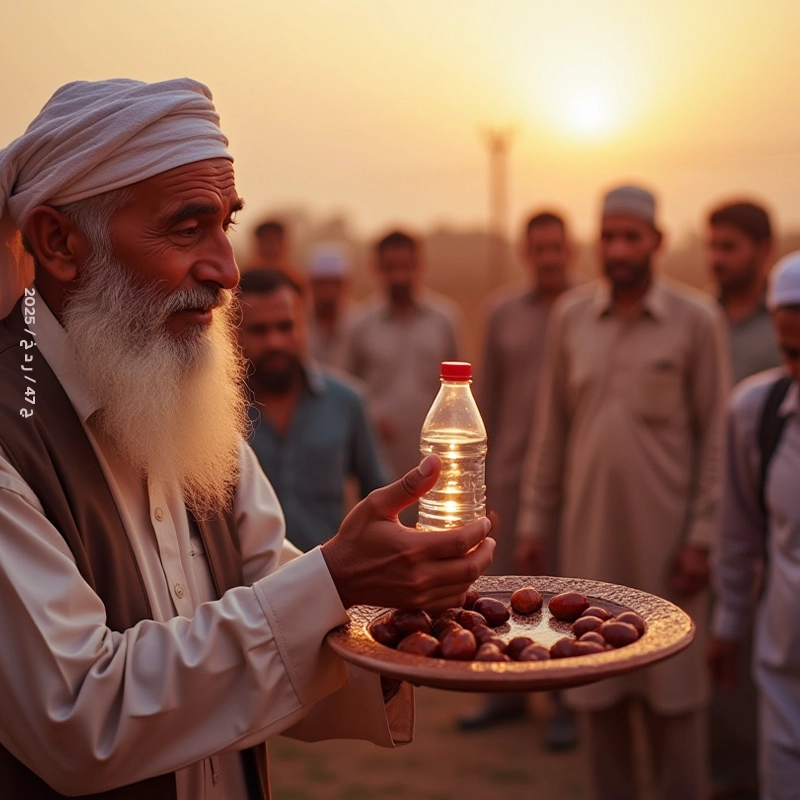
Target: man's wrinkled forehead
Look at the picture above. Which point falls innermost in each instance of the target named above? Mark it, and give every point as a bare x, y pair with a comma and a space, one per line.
199, 189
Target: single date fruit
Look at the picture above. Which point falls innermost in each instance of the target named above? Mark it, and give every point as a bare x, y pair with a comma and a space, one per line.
458, 645
470, 619
483, 633
585, 624
563, 648
568, 606
419, 644
385, 633
446, 628
535, 652
470, 599
597, 611
515, 647
495, 611
408, 622
526, 600
632, 618
593, 636
618, 633
587, 648
490, 652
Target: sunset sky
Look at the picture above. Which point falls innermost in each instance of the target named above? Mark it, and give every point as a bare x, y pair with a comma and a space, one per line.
374, 108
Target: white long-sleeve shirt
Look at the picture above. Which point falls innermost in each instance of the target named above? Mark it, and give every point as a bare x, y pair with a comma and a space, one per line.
744, 532
88, 708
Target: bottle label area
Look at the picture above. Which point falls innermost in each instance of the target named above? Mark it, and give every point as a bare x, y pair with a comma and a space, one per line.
459, 495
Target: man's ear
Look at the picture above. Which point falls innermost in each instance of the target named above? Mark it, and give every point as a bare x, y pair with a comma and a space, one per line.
59, 246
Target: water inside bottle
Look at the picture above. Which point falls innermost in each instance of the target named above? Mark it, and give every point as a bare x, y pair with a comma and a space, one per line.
459, 495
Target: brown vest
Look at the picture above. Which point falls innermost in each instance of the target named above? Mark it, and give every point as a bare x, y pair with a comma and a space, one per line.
53, 455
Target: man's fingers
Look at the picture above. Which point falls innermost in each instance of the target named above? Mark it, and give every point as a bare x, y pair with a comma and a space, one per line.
390, 500
456, 541
450, 578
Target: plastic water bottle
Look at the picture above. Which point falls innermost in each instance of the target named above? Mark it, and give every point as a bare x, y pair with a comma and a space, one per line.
454, 431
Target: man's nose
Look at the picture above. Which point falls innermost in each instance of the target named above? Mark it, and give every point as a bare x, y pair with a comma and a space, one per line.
217, 263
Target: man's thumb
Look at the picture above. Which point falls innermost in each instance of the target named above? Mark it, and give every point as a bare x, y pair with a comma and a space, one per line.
392, 499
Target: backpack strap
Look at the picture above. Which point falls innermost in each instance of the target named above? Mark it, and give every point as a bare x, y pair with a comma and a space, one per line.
770, 428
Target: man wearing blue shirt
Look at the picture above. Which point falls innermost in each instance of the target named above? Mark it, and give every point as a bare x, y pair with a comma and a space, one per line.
310, 430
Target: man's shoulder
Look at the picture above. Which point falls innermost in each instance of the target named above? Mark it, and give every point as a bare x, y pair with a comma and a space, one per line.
439, 305
366, 312
577, 301
505, 299
342, 386
748, 397
687, 300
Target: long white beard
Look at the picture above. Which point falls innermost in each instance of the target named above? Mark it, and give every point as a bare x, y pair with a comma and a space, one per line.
173, 407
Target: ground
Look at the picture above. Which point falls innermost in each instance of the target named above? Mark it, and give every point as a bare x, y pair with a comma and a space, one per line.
442, 763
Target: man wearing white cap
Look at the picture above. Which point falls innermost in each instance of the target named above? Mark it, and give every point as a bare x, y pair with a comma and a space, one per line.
759, 542
329, 323
157, 628
623, 473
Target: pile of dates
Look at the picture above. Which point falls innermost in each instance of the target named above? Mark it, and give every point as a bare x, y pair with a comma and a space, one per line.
468, 633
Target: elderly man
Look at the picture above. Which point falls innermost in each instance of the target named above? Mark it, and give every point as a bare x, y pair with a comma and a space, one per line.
760, 542
157, 627
625, 468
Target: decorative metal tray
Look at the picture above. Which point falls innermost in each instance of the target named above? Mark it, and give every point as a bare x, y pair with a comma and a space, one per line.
669, 630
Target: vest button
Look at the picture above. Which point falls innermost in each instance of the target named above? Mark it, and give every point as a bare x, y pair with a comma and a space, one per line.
178, 590
158, 514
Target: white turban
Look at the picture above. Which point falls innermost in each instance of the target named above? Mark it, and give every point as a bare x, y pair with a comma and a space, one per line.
784, 282
93, 137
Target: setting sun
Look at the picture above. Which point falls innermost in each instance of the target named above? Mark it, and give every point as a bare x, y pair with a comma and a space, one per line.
588, 112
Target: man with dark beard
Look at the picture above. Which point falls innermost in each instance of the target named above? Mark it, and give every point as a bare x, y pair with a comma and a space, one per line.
624, 469
310, 430
740, 246
157, 628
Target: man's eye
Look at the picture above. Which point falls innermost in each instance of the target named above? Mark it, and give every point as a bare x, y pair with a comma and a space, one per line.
187, 231
229, 223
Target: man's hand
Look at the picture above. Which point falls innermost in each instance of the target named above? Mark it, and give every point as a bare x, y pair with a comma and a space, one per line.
374, 560
530, 557
723, 662
690, 570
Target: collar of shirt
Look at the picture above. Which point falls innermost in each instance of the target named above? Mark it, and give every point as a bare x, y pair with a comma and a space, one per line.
387, 310
314, 377
51, 339
759, 311
653, 303
791, 403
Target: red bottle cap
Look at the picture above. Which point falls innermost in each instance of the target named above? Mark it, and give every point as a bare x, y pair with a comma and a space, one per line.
456, 371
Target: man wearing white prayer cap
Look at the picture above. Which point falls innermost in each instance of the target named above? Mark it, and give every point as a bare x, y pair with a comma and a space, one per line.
157, 626
623, 474
329, 322
759, 541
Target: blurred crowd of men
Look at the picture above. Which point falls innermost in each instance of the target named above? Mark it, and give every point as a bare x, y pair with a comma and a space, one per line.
605, 406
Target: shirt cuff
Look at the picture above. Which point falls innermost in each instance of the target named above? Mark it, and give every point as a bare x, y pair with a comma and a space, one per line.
302, 604
357, 711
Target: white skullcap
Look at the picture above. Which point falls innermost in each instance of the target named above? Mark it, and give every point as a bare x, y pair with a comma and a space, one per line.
631, 200
328, 260
784, 282
93, 137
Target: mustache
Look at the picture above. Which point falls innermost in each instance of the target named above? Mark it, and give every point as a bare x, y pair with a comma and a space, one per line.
202, 297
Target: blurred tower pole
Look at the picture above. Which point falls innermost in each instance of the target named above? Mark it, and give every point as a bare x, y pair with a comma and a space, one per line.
498, 142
